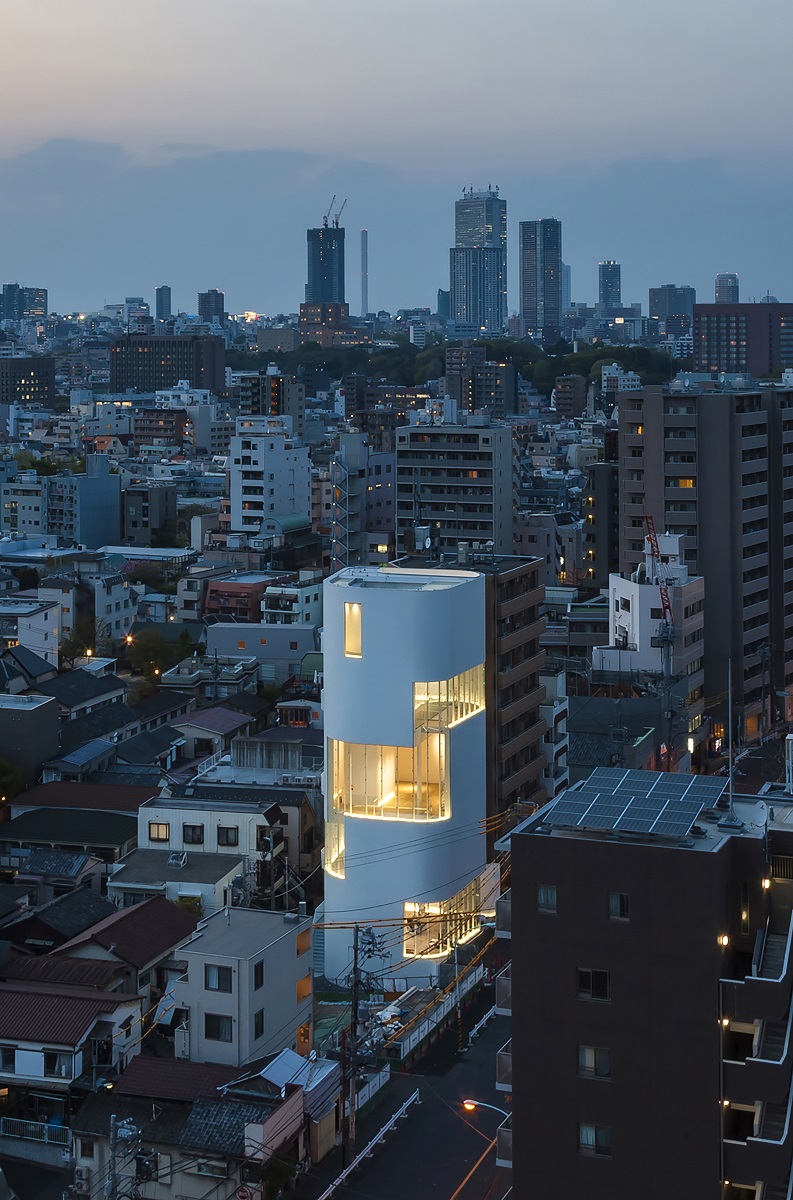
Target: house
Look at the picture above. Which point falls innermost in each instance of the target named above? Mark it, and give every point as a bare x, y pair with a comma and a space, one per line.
107, 836
205, 882
213, 676
33, 667
32, 623
66, 794
57, 1045
41, 929
78, 691
141, 938
247, 990
79, 764
211, 730
160, 747
51, 873
207, 1134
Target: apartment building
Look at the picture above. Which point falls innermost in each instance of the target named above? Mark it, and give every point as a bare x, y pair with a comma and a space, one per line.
362, 483
455, 483
83, 508
654, 1059
713, 466
269, 474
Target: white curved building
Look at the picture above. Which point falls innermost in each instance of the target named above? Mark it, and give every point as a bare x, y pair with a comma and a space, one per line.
404, 702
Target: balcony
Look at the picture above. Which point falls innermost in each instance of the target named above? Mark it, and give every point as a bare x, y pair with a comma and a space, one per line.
765, 1155
504, 1144
504, 915
504, 1068
504, 992
766, 1074
765, 994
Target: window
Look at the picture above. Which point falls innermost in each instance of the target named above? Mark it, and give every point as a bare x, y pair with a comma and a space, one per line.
303, 990
240, 645
86, 1148
258, 975
228, 835
594, 1062
57, 1064
593, 985
546, 897
594, 1139
619, 906
217, 1028
303, 941
7, 1059
193, 835
258, 1024
159, 832
352, 630
217, 979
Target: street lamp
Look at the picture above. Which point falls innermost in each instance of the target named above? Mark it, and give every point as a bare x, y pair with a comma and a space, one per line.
472, 1105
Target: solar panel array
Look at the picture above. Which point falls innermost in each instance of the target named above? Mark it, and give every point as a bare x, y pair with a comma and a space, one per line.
616, 800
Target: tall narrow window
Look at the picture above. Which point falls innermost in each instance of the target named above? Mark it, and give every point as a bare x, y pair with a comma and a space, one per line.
352, 630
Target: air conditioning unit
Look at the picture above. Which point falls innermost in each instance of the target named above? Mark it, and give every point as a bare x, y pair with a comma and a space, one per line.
82, 1181
177, 858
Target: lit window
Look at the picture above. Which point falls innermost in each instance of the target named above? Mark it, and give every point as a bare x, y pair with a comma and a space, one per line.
303, 990
685, 483
546, 897
240, 645
159, 832
352, 630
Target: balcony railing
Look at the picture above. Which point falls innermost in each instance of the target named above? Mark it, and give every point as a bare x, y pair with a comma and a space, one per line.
35, 1131
504, 1068
504, 1144
504, 992
504, 915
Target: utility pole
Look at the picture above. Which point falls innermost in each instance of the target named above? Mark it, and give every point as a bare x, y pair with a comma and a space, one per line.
354, 1034
111, 1187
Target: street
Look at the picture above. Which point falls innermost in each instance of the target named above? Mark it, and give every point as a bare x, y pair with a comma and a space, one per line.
438, 1149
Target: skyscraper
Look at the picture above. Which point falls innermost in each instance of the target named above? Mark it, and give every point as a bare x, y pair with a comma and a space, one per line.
162, 302
727, 289
478, 261
325, 265
212, 306
610, 284
541, 277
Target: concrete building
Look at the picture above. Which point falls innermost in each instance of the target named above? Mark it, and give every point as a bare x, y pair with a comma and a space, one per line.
454, 484
34, 624
247, 991
555, 713
541, 278
238, 594
727, 289
27, 381
73, 508
212, 307
150, 513
713, 467
601, 513
270, 393
609, 284
569, 395
363, 495
406, 763
145, 362
29, 732
754, 339
637, 899
269, 473
325, 281
162, 302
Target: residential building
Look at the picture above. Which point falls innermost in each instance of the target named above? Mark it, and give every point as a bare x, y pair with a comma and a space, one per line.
555, 713
203, 883
29, 728
478, 261
214, 676
637, 885
541, 278
212, 307
269, 474
713, 466
209, 731
569, 395
294, 603
277, 650
362, 502
146, 363
601, 513
753, 339
149, 510
270, 393
674, 306
239, 594
85, 509
727, 289
247, 990
454, 483
325, 265
411, 763
34, 624
27, 381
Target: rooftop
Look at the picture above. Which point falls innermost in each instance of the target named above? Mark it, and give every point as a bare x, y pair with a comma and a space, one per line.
213, 720
79, 687
398, 577
67, 915
63, 864
241, 932
167, 1080
57, 1018
105, 797
229, 796
66, 972
151, 867
70, 827
22, 703
140, 934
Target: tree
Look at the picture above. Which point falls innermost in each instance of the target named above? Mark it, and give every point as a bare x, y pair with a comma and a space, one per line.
81, 638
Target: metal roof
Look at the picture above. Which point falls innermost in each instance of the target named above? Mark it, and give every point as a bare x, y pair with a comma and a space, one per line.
57, 1018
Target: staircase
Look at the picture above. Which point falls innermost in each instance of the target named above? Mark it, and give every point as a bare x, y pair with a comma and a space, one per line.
773, 956
773, 1044
776, 1191
773, 1127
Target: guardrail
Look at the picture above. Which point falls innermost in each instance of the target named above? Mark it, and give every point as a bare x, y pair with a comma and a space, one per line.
389, 1125
35, 1131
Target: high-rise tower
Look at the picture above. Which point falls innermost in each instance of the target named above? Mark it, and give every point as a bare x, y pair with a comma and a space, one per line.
609, 284
727, 289
325, 265
212, 306
478, 261
541, 277
162, 303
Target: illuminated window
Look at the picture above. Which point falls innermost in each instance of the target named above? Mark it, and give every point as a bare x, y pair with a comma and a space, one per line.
685, 483
432, 929
303, 990
159, 832
352, 630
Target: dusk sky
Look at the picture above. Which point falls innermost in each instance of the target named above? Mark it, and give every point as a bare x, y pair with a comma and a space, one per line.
183, 142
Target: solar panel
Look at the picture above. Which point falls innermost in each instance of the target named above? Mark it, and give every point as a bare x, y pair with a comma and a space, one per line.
631, 801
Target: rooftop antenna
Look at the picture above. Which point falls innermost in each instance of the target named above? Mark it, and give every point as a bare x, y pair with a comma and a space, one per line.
730, 821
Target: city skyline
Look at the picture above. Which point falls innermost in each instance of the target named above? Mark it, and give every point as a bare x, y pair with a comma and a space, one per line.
81, 160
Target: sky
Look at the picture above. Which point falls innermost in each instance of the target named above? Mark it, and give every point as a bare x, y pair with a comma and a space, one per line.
192, 143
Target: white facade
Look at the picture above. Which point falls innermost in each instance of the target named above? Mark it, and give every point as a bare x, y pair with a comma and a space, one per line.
33, 624
294, 603
404, 703
269, 473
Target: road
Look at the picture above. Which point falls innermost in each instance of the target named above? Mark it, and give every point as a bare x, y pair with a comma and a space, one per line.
438, 1150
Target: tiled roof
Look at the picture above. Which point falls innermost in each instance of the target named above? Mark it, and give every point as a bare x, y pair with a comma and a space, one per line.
109, 797
149, 1076
145, 747
219, 1125
68, 972
65, 864
58, 1018
70, 826
69, 914
79, 686
140, 934
32, 664
215, 720
160, 703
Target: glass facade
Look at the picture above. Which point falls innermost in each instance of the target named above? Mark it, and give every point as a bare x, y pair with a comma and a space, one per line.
433, 929
406, 783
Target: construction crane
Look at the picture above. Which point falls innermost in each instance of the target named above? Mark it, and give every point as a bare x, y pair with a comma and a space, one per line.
337, 218
326, 218
666, 630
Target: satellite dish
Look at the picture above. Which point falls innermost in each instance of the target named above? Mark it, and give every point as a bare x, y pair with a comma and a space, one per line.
427, 543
